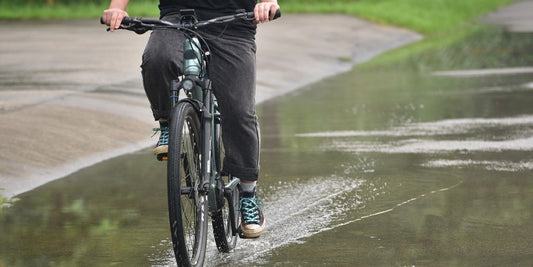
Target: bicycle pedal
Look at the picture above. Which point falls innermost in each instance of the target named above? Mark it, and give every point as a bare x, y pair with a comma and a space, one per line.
162, 157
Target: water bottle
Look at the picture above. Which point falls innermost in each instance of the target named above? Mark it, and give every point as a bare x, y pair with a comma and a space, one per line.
192, 57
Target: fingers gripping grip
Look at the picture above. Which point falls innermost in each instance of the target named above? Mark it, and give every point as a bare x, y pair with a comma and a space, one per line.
251, 15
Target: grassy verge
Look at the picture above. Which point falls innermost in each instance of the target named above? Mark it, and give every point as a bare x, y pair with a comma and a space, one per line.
71, 11
428, 17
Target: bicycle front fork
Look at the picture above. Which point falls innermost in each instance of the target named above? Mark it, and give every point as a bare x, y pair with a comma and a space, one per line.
174, 93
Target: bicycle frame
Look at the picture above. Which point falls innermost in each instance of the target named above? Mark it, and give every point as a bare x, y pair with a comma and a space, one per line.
199, 103
198, 88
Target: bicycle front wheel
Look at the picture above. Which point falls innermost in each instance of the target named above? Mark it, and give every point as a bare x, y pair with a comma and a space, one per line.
187, 204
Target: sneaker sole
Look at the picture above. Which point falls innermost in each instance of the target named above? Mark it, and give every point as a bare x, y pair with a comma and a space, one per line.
246, 233
161, 152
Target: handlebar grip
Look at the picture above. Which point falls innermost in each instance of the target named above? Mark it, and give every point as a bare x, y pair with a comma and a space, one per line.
125, 20
278, 14
251, 15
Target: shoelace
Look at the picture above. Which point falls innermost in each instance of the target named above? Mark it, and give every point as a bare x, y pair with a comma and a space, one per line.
250, 210
163, 139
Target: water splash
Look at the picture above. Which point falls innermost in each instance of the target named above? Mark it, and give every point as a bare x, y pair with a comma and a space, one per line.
297, 211
293, 211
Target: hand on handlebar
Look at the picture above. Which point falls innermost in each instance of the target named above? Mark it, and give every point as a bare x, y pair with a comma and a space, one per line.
265, 11
117, 18
113, 17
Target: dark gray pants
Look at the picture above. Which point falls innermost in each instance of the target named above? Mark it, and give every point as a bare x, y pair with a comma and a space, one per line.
232, 71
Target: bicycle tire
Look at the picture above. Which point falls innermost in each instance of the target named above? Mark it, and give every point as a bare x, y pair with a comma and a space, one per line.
187, 205
225, 233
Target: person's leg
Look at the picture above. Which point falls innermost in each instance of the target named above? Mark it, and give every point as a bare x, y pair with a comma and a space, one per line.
233, 75
161, 63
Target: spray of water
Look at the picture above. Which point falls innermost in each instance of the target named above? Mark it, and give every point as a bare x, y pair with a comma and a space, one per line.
293, 212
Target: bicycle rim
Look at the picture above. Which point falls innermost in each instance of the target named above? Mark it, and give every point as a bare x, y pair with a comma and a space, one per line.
187, 206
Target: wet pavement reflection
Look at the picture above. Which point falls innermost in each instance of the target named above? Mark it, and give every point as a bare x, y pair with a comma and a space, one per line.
381, 166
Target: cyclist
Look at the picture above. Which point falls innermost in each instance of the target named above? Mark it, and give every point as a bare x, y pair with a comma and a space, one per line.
232, 71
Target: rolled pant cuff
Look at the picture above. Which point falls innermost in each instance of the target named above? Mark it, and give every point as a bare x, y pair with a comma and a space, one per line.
250, 174
160, 114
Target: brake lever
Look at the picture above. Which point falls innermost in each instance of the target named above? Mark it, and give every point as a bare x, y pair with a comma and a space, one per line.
139, 30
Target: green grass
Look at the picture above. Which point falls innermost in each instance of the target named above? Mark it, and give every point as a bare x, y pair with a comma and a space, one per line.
72, 11
426, 16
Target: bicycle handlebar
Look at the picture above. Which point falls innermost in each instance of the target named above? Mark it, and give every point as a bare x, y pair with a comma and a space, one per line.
141, 25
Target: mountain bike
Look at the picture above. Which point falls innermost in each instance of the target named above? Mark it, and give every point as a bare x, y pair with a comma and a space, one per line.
196, 185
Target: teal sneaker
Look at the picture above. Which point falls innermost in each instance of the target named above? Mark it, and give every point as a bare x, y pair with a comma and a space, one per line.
161, 148
252, 217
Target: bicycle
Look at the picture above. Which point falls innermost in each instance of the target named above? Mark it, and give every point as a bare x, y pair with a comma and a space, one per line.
195, 183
